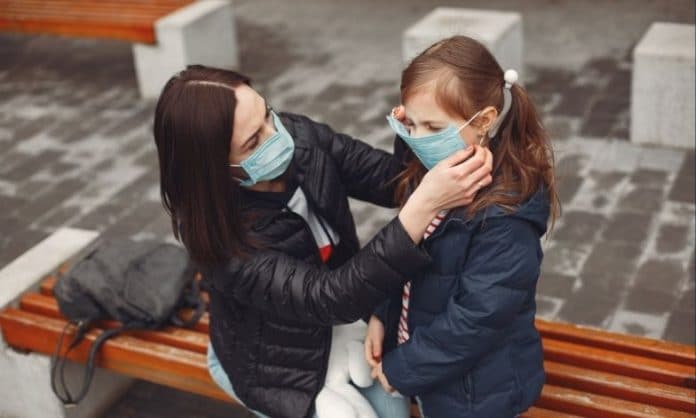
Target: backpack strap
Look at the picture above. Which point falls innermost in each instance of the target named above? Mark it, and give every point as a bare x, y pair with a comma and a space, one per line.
191, 299
58, 361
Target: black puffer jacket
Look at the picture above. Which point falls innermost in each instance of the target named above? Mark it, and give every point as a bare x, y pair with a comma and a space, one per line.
271, 313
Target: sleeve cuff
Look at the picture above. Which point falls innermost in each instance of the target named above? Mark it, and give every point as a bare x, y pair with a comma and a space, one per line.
400, 252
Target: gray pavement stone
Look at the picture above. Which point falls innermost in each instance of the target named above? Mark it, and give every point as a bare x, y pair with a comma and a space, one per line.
589, 305
660, 275
672, 238
684, 186
650, 301
628, 227
609, 264
579, 227
680, 328
557, 285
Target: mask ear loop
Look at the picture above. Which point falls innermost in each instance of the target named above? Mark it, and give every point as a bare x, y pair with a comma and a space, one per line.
511, 77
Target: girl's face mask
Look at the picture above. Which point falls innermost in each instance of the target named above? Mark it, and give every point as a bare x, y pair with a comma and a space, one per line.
431, 149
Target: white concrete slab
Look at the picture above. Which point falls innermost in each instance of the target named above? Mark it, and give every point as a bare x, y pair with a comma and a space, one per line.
200, 33
500, 32
662, 89
26, 270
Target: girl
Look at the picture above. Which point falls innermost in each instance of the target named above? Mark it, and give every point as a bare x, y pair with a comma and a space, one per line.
461, 337
260, 201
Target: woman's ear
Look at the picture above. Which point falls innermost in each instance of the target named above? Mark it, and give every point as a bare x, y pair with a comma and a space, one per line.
486, 118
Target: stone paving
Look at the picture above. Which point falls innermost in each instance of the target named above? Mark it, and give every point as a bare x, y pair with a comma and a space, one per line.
76, 148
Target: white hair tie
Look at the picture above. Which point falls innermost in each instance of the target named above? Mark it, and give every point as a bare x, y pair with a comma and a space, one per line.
510, 77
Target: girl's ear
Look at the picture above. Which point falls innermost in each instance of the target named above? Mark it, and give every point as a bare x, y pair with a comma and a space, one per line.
486, 118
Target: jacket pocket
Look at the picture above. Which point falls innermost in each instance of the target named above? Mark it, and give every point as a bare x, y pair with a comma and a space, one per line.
469, 387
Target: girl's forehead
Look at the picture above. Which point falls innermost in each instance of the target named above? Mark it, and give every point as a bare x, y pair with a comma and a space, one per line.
423, 106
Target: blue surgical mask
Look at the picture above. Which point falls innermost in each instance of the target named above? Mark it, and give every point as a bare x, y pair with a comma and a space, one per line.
272, 158
432, 149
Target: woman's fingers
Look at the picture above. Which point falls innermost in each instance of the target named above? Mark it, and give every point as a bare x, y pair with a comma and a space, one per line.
399, 113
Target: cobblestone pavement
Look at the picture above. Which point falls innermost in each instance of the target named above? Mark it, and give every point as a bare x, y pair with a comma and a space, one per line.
76, 148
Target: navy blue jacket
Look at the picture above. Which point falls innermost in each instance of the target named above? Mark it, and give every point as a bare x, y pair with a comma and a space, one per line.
473, 349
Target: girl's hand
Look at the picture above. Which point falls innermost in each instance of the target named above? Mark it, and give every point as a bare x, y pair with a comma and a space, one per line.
373, 341
377, 373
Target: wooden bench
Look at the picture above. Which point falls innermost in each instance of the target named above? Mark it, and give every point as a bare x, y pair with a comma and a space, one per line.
590, 373
144, 22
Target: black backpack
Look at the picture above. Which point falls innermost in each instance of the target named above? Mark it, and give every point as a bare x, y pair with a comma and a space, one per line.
141, 284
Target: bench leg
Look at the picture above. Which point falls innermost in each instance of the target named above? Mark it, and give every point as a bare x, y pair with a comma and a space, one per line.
26, 389
200, 33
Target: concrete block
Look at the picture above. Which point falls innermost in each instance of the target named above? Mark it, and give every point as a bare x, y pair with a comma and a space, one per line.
25, 388
662, 88
200, 33
500, 32
28, 269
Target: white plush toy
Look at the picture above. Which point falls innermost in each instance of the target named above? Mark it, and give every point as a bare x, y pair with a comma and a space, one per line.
338, 398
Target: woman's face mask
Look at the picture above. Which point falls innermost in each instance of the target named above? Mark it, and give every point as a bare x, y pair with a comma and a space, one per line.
271, 158
431, 149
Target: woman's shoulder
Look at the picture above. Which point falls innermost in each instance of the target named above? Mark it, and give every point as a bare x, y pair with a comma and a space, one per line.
305, 130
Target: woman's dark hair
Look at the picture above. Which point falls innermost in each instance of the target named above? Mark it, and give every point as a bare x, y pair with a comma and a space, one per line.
194, 122
467, 79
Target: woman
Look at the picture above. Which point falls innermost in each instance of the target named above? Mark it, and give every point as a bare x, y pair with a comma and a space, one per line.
260, 201
461, 337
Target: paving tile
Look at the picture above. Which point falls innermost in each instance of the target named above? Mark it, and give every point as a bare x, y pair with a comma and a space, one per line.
642, 199
665, 275
628, 227
589, 305
680, 328
684, 186
672, 238
556, 285
579, 227
610, 265
639, 323
657, 302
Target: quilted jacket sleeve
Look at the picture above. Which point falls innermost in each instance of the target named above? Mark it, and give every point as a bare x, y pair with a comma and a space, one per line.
297, 290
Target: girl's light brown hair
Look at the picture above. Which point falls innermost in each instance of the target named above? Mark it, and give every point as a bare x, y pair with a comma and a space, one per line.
467, 78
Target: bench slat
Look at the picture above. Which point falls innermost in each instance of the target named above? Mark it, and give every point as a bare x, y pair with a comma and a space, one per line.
629, 344
536, 412
597, 406
157, 363
619, 363
621, 387
130, 21
124, 33
190, 339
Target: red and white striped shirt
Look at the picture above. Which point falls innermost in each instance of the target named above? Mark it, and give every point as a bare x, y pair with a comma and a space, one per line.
402, 333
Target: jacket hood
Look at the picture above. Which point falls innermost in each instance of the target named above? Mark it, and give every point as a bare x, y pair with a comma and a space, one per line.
535, 210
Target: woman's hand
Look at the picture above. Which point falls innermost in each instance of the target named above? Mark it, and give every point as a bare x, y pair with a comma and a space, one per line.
453, 182
373, 341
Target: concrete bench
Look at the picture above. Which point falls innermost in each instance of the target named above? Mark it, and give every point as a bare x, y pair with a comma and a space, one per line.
662, 89
168, 35
500, 32
590, 373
